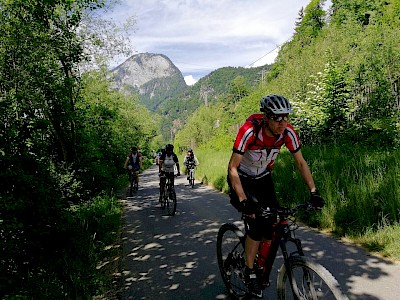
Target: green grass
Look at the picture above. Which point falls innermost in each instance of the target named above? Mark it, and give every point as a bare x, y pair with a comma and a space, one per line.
361, 187
213, 168
101, 220
74, 263
384, 240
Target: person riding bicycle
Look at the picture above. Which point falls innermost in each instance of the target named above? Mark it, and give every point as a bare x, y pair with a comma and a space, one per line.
133, 162
255, 149
190, 161
166, 165
162, 150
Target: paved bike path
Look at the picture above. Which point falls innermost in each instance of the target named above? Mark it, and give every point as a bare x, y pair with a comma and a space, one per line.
175, 257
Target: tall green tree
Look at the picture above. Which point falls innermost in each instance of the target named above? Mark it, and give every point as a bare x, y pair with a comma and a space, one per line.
47, 147
311, 21
237, 90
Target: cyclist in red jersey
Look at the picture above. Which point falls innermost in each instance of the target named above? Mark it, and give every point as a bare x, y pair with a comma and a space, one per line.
256, 147
133, 162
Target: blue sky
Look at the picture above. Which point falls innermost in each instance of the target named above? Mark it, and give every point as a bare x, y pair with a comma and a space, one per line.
200, 36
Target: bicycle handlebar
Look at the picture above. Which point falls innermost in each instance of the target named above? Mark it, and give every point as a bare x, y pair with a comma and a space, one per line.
284, 211
163, 175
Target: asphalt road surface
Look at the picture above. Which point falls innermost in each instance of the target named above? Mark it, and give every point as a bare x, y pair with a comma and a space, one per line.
174, 257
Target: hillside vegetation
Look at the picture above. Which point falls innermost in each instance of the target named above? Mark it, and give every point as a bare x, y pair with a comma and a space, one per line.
232, 83
341, 71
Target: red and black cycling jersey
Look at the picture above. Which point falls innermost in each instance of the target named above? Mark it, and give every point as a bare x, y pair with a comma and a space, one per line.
259, 153
134, 158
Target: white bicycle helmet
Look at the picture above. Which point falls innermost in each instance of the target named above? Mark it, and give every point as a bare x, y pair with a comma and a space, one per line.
275, 104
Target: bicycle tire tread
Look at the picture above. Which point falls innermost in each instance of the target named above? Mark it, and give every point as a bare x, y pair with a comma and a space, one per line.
230, 286
319, 269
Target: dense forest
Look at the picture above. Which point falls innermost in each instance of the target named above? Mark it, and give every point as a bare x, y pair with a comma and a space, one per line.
63, 141
64, 130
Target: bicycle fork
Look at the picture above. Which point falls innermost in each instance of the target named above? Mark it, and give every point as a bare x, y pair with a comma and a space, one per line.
288, 264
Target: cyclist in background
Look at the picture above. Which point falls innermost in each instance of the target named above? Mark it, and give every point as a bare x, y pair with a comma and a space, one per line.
190, 160
166, 166
255, 149
133, 162
162, 150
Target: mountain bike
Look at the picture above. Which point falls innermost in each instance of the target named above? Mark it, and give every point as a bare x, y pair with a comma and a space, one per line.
133, 183
191, 167
299, 277
168, 198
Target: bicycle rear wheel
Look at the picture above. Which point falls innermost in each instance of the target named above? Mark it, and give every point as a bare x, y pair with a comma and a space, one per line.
231, 260
311, 281
171, 202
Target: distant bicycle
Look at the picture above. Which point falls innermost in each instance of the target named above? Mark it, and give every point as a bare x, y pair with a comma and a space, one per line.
168, 198
299, 277
133, 183
191, 166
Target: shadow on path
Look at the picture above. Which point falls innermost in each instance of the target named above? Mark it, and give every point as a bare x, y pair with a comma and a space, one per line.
175, 257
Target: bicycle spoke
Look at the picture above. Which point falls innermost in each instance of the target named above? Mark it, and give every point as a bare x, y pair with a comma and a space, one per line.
310, 286
231, 262
310, 281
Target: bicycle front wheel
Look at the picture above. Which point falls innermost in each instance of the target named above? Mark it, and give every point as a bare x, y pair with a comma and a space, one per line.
131, 187
164, 197
310, 281
191, 181
171, 202
231, 260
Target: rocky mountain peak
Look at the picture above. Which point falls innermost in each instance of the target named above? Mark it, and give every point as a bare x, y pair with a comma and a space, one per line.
144, 67
153, 76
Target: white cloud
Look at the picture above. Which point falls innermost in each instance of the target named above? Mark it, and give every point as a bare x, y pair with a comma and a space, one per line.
200, 36
190, 80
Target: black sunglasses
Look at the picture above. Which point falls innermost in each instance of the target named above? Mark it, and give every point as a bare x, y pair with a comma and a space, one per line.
279, 118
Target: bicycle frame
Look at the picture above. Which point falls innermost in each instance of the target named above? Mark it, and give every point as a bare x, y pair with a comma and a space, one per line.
191, 176
132, 181
281, 236
168, 185
168, 196
132, 176
298, 277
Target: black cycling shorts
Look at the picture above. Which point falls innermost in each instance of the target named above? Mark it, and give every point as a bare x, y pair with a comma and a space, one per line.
264, 191
134, 167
